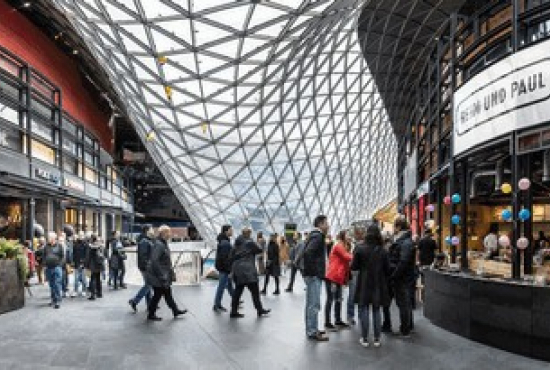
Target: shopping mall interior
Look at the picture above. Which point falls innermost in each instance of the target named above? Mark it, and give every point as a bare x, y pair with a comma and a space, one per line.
385, 163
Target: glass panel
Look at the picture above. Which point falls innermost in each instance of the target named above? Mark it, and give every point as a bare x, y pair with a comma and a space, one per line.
10, 138
41, 129
42, 152
9, 114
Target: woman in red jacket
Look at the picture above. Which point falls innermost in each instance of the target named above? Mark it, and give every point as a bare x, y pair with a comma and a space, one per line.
336, 277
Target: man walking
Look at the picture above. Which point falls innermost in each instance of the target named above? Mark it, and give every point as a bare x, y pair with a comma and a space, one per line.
144, 250
245, 274
53, 260
403, 273
160, 275
223, 265
314, 273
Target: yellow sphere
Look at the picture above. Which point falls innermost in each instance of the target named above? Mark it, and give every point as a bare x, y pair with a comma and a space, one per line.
506, 188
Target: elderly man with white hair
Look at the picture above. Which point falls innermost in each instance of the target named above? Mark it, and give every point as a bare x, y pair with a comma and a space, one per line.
53, 260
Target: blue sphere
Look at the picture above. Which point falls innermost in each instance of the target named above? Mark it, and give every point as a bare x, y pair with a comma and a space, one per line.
449, 240
456, 198
506, 215
524, 214
455, 219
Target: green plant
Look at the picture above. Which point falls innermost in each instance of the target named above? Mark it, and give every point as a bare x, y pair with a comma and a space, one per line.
12, 249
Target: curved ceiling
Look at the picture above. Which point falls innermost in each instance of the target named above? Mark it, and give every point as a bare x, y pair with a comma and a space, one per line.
397, 38
257, 112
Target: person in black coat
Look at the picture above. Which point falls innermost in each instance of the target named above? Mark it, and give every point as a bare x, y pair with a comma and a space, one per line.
160, 275
403, 273
245, 274
371, 260
95, 263
273, 264
144, 252
223, 265
80, 250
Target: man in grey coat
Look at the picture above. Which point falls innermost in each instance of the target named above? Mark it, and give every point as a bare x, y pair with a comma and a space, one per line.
160, 275
245, 274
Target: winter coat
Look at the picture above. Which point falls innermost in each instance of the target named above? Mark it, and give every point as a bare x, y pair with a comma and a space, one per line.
223, 264
372, 283
94, 258
243, 261
298, 260
314, 255
338, 264
80, 249
160, 272
53, 255
144, 250
116, 260
403, 259
426, 248
273, 265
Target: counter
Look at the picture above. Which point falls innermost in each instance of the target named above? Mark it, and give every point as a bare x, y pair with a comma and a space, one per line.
513, 316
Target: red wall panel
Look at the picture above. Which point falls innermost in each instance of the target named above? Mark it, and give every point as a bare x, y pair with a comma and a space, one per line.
27, 41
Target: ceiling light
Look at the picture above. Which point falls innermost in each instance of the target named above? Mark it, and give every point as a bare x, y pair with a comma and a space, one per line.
75, 52
27, 4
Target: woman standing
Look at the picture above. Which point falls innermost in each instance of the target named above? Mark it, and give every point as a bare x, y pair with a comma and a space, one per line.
336, 277
284, 254
273, 264
260, 258
371, 260
95, 263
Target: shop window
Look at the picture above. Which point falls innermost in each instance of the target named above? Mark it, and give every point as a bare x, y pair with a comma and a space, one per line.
71, 216
40, 151
529, 142
69, 145
9, 114
9, 90
90, 175
42, 109
69, 127
72, 166
88, 140
10, 138
41, 129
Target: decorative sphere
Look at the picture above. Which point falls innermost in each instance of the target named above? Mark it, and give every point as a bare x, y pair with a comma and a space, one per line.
522, 243
506, 214
455, 240
455, 219
524, 183
430, 208
448, 240
447, 200
506, 188
524, 214
456, 198
504, 241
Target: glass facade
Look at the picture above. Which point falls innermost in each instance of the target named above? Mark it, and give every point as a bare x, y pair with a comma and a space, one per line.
257, 113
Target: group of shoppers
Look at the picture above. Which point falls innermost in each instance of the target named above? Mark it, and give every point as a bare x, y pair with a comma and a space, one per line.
383, 270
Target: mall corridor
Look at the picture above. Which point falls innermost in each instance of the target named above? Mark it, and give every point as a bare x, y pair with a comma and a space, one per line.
105, 334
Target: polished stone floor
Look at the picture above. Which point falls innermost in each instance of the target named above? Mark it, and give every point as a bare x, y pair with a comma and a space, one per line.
105, 334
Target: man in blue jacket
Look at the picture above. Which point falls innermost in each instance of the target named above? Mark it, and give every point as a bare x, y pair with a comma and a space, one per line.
223, 265
314, 259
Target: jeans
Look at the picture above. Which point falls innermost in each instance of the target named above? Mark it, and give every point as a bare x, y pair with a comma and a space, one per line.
254, 289
351, 296
223, 283
365, 321
403, 301
313, 304
145, 291
80, 277
159, 292
54, 276
64, 279
334, 296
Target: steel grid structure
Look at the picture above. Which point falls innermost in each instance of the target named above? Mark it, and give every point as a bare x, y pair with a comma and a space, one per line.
257, 112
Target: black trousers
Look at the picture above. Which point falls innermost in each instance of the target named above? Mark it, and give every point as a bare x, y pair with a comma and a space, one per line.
254, 289
403, 301
334, 297
266, 282
95, 284
293, 271
158, 293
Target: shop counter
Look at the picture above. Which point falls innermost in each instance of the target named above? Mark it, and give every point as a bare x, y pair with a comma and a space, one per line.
510, 315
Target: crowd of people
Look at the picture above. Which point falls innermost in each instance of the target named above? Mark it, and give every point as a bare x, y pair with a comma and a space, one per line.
376, 269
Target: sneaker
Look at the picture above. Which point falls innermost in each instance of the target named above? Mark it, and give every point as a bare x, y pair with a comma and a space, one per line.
91, 298
263, 292
352, 322
236, 315
276, 292
342, 325
318, 337
263, 312
56, 306
288, 290
154, 318
179, 312
364, 342
133, 305
219, 309
376, 343
330, 327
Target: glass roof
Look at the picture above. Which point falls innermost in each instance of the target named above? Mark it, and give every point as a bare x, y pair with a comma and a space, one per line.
260, 112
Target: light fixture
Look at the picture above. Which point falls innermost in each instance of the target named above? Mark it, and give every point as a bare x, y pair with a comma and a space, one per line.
27, 4
151, 136
59, 34
75, 52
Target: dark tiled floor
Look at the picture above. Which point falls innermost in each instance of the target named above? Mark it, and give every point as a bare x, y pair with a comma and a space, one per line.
105, 335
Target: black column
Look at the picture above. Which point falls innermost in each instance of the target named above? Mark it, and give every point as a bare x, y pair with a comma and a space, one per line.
31, 213
439, 214
464, 187
452, 188
516, 256
528, 225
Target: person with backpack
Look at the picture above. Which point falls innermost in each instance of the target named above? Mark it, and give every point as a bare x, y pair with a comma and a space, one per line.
95, 263
53, 260
144, 250
223, 265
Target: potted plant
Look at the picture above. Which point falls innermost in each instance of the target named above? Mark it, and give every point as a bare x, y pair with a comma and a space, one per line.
13, 273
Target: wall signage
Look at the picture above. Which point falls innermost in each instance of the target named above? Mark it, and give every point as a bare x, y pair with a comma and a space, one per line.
513, 94
46, 175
